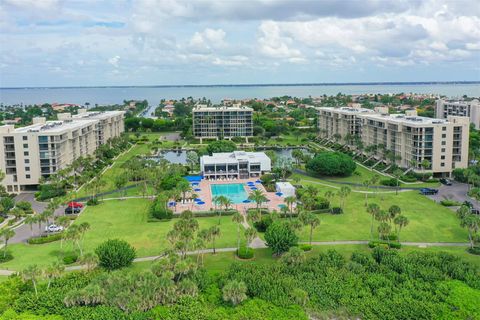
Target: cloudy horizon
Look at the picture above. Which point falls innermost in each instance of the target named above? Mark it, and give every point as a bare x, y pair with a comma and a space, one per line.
176, 42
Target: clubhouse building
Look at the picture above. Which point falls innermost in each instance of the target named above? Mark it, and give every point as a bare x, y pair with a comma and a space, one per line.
235, 165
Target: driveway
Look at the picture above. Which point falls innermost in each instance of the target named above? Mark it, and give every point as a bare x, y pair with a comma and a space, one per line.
23, 232
457, 191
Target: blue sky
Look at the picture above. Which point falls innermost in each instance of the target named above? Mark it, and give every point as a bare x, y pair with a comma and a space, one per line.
155, 42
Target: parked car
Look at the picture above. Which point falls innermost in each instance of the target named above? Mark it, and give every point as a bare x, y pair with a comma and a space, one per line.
53, 228
72, 210
74, 204
446, 182
428, 191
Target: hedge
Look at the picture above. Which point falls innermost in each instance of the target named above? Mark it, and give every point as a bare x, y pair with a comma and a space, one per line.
45, 239
245, 252
385, 244
449, 203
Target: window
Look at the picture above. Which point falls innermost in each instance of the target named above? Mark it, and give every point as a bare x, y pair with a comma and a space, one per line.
442, 164
27, 160
444, 128
25, 138
27, 176
443, 143
27, 168
25, 153
443, 149
444, 136
442, 157
25, 145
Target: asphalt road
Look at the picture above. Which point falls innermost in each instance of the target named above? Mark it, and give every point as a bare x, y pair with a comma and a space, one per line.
457, 191
23, 232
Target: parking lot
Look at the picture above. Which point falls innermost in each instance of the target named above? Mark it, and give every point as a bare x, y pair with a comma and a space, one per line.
457, 192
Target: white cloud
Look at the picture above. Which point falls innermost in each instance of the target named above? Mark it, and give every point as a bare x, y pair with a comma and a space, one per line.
208, 39
114, 61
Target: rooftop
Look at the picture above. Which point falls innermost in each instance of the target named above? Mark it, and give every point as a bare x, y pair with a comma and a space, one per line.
235, 157
347, 109
55, 126
97, 115
402, 118
221, 108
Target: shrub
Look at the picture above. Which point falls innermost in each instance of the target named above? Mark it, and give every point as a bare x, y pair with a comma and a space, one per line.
305, 247
115, 254
50, 190
158, 210
336, 210
474, 250
5, 257
449, 203
70, 257
321, 203
93, 202
384, 244
392, 182
263, 224
245, 252
280, 236
331, 164
45, 239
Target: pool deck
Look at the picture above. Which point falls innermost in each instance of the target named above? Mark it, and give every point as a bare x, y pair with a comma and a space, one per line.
206, 195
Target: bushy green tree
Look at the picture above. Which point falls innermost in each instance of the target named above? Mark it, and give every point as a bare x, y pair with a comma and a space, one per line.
115, 254
280, 236
331, 164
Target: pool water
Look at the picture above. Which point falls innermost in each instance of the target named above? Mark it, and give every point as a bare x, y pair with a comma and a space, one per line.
235, 191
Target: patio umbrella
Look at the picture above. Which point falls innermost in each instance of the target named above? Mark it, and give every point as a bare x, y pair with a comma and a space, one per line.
246, 201
200, 202
258, 181
197, 199
279, 194
171, 204
197, 189
253, 188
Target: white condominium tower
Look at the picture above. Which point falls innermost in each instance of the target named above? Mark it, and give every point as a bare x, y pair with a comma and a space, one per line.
471, 109
222, 122
409, 138
41, 149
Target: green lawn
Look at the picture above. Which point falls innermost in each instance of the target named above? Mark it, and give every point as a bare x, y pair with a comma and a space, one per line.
429, 221
123, 219
110, 174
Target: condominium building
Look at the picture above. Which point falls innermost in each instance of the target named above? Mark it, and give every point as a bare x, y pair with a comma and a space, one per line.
409, 138
29, 153
471, 109
222, 122
235, 165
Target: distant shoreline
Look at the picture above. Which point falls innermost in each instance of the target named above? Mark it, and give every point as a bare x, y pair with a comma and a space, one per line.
260, 85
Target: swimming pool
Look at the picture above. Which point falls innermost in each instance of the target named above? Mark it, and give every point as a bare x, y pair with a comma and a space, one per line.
235, 191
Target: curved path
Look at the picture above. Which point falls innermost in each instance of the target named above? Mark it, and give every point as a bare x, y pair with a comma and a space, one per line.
262, 245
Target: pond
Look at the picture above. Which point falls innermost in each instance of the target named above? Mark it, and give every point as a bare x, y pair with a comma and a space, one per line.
180, 156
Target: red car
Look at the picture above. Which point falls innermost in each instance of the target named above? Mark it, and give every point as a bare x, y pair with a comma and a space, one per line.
74, 204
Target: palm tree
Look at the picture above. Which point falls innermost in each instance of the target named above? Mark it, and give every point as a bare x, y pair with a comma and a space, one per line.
310, 219
470, 175
400, 221
6, 234
472, 224
238, 218
463, 211
90, 260
425, 165
250, 234
184, 187
343, 193
53, 271
393, 212
17, 213
47, 214
234, 292
383, 230
290, 201
205, 236
366, 183
32, 273
397, 174
258, 197
214, 233
30, 220
373, 209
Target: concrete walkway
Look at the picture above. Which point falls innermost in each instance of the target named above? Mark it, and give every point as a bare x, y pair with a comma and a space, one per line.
262, 245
